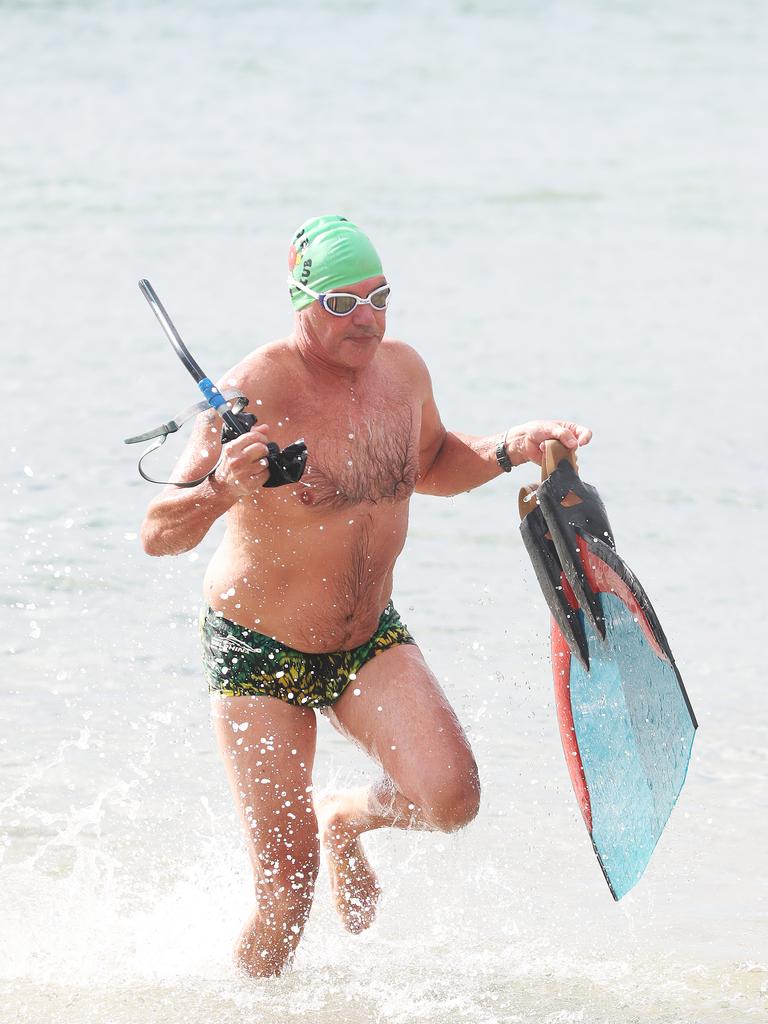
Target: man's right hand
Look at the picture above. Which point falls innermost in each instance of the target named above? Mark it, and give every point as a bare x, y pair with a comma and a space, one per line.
243, 469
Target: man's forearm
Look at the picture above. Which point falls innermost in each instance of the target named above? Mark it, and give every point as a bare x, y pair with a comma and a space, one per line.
462, 463
178, 520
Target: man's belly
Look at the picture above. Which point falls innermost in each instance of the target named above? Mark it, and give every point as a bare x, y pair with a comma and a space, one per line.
319, 585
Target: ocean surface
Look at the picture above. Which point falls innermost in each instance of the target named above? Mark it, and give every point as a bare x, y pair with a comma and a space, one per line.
571, 200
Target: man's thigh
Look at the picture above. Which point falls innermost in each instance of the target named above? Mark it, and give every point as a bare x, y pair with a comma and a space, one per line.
268, 749
398, 713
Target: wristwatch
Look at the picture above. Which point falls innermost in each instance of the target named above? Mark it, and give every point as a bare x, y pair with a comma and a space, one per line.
501, 455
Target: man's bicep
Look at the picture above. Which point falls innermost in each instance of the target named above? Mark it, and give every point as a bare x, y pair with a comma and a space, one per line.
201, 450
432, 432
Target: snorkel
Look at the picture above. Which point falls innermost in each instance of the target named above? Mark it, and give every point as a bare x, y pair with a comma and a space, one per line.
286, 466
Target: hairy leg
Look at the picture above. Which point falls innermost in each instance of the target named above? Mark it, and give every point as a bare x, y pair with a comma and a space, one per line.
268, 749
403, 720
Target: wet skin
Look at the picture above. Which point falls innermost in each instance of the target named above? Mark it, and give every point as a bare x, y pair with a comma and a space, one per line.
312, 564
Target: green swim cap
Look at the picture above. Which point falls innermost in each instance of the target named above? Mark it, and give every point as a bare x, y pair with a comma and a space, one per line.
328, 253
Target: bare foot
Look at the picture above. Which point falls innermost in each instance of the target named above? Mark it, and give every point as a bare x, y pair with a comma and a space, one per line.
354, 885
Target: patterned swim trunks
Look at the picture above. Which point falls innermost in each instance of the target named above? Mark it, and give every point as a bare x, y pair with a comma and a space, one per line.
240, 662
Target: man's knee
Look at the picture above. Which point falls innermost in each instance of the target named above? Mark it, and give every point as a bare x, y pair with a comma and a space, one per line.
455, 806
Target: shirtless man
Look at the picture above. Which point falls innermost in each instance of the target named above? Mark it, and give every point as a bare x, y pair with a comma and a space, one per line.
299, 614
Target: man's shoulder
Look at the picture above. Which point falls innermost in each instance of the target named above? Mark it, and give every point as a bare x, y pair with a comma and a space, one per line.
406, 358
265, 366
403, 353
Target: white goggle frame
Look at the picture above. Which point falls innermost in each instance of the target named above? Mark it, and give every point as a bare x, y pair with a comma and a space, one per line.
322, 297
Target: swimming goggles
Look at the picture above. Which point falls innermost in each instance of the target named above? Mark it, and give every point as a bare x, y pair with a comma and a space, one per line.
344, 303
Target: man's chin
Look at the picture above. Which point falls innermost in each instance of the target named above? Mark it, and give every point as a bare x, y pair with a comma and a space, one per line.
356, 351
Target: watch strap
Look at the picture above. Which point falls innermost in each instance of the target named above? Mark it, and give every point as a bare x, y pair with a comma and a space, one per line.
501, 455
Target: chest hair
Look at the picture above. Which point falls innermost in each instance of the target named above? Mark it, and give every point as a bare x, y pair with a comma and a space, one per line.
378, 463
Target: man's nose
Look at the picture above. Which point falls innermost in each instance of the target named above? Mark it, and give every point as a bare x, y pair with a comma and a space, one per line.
364, 315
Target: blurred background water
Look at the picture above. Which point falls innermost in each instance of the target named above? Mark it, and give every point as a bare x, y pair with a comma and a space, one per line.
571, 202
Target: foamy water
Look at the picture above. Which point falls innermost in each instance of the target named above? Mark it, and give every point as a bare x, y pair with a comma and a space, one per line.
571, 205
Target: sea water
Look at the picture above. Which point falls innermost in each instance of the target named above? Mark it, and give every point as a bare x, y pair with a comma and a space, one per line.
570, 200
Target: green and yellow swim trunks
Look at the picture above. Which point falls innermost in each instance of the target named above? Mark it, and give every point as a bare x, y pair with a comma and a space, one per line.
241, 662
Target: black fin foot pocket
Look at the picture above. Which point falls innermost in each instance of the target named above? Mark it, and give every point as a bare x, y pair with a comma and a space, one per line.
571, 508
549, 573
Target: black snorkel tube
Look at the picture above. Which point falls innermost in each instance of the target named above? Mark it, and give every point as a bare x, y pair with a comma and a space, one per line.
286, 466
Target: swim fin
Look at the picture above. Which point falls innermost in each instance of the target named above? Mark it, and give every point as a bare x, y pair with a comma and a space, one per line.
549, 572
626, 723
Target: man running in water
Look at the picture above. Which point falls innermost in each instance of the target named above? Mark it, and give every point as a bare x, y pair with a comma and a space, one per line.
299, 616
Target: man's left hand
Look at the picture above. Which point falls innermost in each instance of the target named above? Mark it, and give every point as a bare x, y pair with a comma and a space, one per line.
526, 442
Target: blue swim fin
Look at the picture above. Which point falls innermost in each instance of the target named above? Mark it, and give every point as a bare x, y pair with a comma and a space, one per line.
625, 720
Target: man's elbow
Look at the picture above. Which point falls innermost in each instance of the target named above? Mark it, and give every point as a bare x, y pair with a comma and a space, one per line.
425, 485
151, 540
425, 482
436, 487
157, 539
